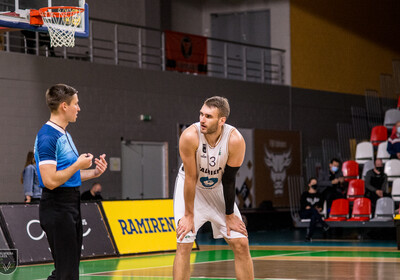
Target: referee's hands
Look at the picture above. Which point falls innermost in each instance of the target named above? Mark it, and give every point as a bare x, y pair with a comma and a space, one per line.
85, 161
101, 165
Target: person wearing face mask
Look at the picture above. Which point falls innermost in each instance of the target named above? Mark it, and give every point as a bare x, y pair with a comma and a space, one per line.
376, 183
331, 183
311, 204
393, 146
93, 194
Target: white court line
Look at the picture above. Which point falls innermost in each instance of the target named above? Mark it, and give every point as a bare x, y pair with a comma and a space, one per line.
200, 277
271, 256
290, 254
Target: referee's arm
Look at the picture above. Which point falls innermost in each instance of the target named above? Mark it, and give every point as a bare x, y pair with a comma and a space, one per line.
53, 178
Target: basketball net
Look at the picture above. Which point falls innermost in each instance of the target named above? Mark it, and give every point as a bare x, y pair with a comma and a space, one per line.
62, 23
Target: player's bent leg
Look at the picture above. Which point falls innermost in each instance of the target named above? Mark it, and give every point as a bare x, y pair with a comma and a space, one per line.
182, 261
243, 262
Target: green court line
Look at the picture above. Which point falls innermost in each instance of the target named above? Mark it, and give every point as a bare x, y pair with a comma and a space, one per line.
143, 262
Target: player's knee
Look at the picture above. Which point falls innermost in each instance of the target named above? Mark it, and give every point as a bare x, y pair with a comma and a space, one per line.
184, 249
240, 246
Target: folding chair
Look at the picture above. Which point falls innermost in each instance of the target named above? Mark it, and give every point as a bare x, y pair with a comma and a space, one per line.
367, 167
391, 117
396, 190
392, 169
356, 189
364, 152
384, 210
382, 152
339, 210
350, 170
378, 135
361, 210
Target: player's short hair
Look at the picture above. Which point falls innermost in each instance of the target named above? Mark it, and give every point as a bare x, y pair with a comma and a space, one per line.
221, 103
58, 94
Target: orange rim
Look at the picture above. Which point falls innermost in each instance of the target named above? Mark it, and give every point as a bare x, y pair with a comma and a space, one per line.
44, 12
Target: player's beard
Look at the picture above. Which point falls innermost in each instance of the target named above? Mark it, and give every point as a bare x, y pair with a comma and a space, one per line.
212, 128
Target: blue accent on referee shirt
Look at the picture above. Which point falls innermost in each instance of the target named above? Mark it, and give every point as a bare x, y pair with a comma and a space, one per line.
53, 147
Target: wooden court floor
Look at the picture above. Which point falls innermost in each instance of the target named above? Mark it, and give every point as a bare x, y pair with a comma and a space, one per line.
270, 262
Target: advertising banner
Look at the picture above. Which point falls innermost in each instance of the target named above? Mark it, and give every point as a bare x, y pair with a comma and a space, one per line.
23, 225
3, 242
278, 156
245, 186
140, 226
186, 52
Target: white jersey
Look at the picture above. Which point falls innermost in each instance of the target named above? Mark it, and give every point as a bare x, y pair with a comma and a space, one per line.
209, 203
211, 161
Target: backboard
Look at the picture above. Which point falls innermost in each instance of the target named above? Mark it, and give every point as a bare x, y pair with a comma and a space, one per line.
14, 14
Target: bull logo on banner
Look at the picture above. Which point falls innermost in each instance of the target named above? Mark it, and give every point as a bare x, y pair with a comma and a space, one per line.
278, 163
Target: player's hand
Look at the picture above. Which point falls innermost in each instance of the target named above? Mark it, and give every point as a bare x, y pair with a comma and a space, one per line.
85, 161
185, 225
101, 165
234, 223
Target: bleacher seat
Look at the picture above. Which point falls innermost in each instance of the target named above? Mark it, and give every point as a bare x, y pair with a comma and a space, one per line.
396, 190
382, 152
391, 117
392, 169
356, 189
361, 210
350, 170
339, 210
367, 167
384, 210
364, 152
378, 135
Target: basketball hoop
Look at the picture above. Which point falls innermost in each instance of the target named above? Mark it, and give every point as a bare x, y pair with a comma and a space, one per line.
62, 22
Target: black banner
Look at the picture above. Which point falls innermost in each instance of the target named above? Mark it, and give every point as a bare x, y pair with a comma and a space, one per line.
96, 240
23, 226
3, 242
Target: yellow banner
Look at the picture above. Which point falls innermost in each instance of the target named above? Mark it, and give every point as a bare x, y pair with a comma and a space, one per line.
140, 226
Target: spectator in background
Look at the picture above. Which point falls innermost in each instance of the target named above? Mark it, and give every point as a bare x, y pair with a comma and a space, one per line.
393, 146
376, 183
30, 180
331, 183
93, 194
311, 204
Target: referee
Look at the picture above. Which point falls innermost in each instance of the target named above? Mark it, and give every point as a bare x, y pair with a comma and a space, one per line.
61, 170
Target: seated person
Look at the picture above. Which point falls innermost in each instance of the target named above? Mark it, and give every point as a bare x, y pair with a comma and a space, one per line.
311, 204
93, 194
331, 183
376, 183
393, 146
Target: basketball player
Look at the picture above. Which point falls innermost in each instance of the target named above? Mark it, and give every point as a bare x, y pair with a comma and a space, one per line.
212, 152
61, 170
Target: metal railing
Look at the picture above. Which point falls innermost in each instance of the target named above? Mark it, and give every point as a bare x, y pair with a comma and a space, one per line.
143, 47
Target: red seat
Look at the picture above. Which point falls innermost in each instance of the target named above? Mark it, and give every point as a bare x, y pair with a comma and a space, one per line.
339, 210
356, 189
378, 135
350, 170
398, 103
361, 210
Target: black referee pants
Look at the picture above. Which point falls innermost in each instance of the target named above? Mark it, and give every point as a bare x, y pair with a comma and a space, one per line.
60, 218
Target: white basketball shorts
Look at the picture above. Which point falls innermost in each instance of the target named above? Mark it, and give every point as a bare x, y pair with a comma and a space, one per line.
209, 205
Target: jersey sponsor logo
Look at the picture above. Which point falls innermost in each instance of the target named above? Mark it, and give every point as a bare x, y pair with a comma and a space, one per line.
208, 182
147, 225
210, 172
